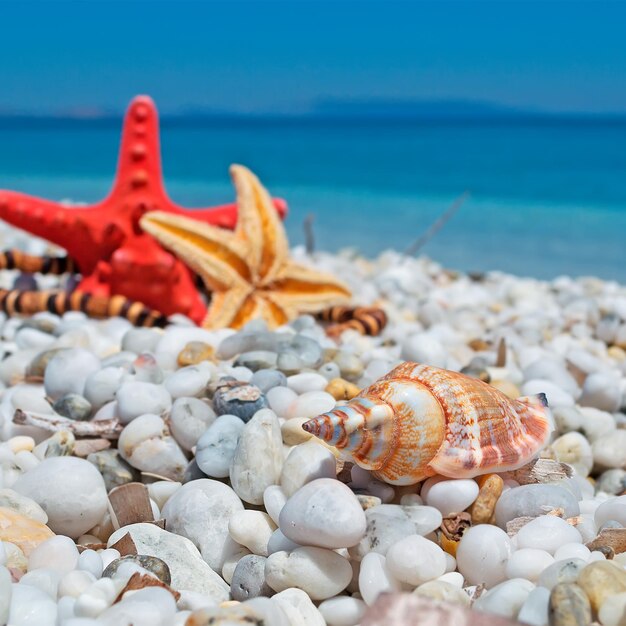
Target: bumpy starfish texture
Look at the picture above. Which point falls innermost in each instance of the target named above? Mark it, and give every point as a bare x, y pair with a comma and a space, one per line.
113, 254
248, 271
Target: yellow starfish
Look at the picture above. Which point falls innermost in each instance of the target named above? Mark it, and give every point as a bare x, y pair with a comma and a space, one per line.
248, 270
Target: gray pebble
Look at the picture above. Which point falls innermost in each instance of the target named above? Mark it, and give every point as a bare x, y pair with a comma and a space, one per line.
43, 324
329, 371
246, 342
612, 481
534, 500
255, 326
151, 563
140, 340
102, 385
565, 571
120, 359
610, 524
249, 579
256, 360
308, 350
233, 397
303, 322
216, 447
189, 419
113, 468
289, 362
192, 472
73, 406
266, 379
68, 370
138, 398
350, 365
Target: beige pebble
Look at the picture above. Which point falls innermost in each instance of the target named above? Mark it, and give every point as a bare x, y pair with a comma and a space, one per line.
617, 353
507, 388
443, 592
613, 610
292, 431
491, 486
479, 345
341, 389
367, 502
602, 579
195, 352
569, 606
16, 559
24, 532
21, 444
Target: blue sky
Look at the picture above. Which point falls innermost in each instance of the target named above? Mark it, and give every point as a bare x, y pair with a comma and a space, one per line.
282, 56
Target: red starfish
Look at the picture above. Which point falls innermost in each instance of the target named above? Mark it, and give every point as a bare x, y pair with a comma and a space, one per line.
114, 255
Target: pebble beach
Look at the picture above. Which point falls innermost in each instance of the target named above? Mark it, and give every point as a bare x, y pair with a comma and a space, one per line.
250, 520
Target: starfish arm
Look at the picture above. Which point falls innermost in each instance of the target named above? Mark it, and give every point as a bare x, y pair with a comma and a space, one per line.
52, 221
259, 225
225, 215
299, 289
227, 306
216, 255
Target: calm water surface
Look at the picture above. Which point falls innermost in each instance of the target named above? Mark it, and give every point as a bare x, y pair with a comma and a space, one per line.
547, 198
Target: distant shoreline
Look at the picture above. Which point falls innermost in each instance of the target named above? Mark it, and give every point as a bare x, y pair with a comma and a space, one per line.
22, 122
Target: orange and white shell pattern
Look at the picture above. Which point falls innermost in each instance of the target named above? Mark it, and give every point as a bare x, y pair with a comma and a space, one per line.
418, 421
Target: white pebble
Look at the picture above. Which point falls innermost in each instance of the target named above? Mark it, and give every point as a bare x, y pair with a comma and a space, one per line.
280, 399
424, 348
108, 556
319, 572
572, 551
75, 582
528, 563
612, 509
304, 463
612, 610
311, 404
146, 444
274, 499
298, 608
258, 457
308, 381
137, 398
449, 496
189, 381
59, 553
534, 611
31, 606
505, 599
547, 532
67, 372
44, 579
252, 529
375, 578
70, 490
90, 561
323, 513
416, 560
482, 555
189, 419
342, 611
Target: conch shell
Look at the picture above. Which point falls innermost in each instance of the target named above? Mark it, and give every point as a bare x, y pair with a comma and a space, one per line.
418, 421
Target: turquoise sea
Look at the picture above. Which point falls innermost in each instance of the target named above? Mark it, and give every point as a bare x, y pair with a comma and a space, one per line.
548, 196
